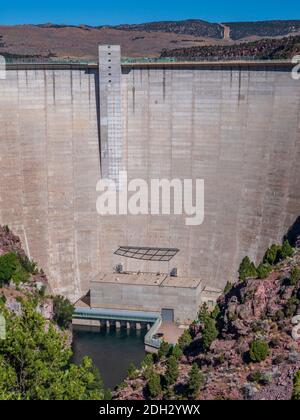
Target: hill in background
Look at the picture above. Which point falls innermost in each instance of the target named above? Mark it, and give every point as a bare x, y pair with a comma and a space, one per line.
142, 40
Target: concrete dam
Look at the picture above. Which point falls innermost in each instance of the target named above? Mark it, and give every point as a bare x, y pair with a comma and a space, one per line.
63, 127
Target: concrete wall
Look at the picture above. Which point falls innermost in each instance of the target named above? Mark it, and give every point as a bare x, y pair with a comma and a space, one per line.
238, 128
49, 164
184, 301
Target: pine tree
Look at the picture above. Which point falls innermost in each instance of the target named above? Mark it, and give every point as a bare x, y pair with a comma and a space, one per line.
209, 333
286, 251
247, 269
195, 381
154, 386
185, 340
272, 254
172, 371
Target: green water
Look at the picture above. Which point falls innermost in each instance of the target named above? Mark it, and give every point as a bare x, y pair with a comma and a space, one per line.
111, 350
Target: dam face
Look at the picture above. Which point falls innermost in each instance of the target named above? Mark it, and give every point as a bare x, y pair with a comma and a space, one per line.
235, 126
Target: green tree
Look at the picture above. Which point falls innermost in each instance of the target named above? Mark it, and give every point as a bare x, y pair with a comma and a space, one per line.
286, 251
296, 388
228, 288
164, 350
132, 371
263, 270
295, 276
148, 361
154, 385
272, 254
204, 313
216, 312
8, 264
35, 362
209, 333
195, 381
259, 351
177, 352
185, 340
247, 269
63, 311
172, 371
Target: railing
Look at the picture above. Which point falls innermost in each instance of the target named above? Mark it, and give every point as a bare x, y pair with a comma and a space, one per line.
115, 315
129, 61
149, 338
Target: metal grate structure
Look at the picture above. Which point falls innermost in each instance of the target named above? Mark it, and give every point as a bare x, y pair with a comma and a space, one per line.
146, 253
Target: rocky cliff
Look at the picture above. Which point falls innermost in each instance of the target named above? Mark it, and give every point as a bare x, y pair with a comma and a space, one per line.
257, 352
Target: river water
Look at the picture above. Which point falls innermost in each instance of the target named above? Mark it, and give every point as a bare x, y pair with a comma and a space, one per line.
111, 350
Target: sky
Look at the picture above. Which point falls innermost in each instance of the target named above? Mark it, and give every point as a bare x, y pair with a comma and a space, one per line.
99, 12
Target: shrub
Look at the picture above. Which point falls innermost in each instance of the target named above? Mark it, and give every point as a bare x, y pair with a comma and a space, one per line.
263, 270
228, 288
63, 311
291, 307
164, 350
195, 381
20, 275
247, 269
154, 386
272, 254
177, 352
172, 371
216, 312
255, 376
8, 264
296, 388
295, 276
279, 315
148, 361
209, 333
132, 371
28, 265
259, 351
185, 340
204, 313
286, 251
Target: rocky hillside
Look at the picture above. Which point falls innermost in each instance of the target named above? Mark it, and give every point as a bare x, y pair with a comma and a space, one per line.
248, 348
196, 27
272, 28
268, 49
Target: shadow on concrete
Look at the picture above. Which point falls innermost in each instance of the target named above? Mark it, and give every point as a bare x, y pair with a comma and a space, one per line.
293, 234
